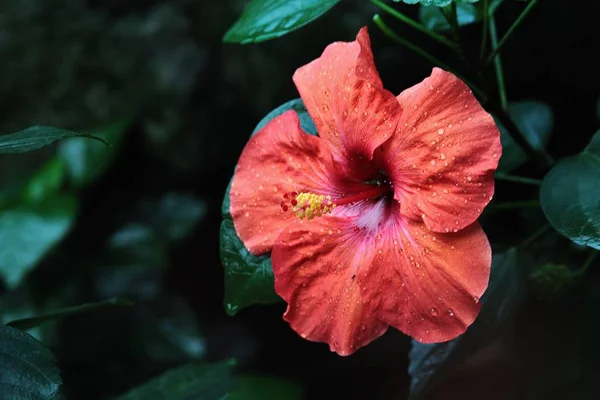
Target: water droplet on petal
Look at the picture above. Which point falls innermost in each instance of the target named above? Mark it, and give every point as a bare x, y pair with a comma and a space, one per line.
441, 131
451, 312
433, 311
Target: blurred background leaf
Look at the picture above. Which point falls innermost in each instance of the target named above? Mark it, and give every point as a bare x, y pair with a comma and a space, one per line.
27, 368
189, 382
49, 220
85, 160
35, 138
256, 387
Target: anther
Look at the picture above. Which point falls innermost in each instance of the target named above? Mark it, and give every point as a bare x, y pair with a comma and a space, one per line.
307, 205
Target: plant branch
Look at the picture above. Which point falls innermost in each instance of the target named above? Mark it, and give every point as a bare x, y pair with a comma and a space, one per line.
514, 205
518, 179
409, 21
538, 154
484, 33
392, 35
508, 33
589, 261
498, 65
536, 235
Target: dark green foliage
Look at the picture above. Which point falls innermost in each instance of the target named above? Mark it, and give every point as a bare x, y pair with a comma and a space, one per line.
570, 196
268, 19
27, 369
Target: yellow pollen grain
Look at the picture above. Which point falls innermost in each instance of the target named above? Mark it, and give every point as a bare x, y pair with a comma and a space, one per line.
311, 205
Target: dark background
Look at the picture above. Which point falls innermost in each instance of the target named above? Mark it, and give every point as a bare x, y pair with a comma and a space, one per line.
193, 101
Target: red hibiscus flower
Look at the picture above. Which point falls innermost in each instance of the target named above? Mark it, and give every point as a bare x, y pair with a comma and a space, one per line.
372, 223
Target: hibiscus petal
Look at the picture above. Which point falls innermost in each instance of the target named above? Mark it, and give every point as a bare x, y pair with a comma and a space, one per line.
440, 278
344, 96
281, 158
315, 265
443, 157
346, 279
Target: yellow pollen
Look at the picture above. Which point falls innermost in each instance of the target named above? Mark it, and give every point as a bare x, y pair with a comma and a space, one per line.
310, 205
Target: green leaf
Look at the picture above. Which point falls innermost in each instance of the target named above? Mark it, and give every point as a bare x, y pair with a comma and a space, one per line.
249, 279
29, 231
268, 19
86, 160
173, 216
190, 382
570, 196
429, 362
27, 368
437, 3
433, 18
46, 182
32, 322
35, 138
257, 387
535, 120
306, 123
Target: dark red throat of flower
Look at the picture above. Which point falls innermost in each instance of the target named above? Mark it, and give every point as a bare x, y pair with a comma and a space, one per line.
309, 205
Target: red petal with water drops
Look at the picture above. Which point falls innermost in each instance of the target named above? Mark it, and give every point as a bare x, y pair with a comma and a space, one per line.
316, 266
346, 279
344, 96
443, 157
433, 292
281, 158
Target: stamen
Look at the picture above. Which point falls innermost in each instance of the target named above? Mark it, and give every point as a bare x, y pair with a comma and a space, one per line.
308, 205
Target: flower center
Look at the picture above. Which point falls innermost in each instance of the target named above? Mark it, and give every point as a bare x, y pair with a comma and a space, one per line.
309, 205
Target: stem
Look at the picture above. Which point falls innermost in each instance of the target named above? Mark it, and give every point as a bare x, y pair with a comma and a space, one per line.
454, 17
514, 205
498, 65
485, 29
514, 26
589, 261
518, 179
397, 14
536, 235
539, 155
392, 35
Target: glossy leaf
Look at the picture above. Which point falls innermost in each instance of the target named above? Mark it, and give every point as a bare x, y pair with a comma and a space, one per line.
570, 196
249, 279
189, 382
437, 3
27, 368
306, 122
536, 121
35, 138
268, 19
429, 362
257, 387
29, 231
433, 18
85, 160
28, 323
